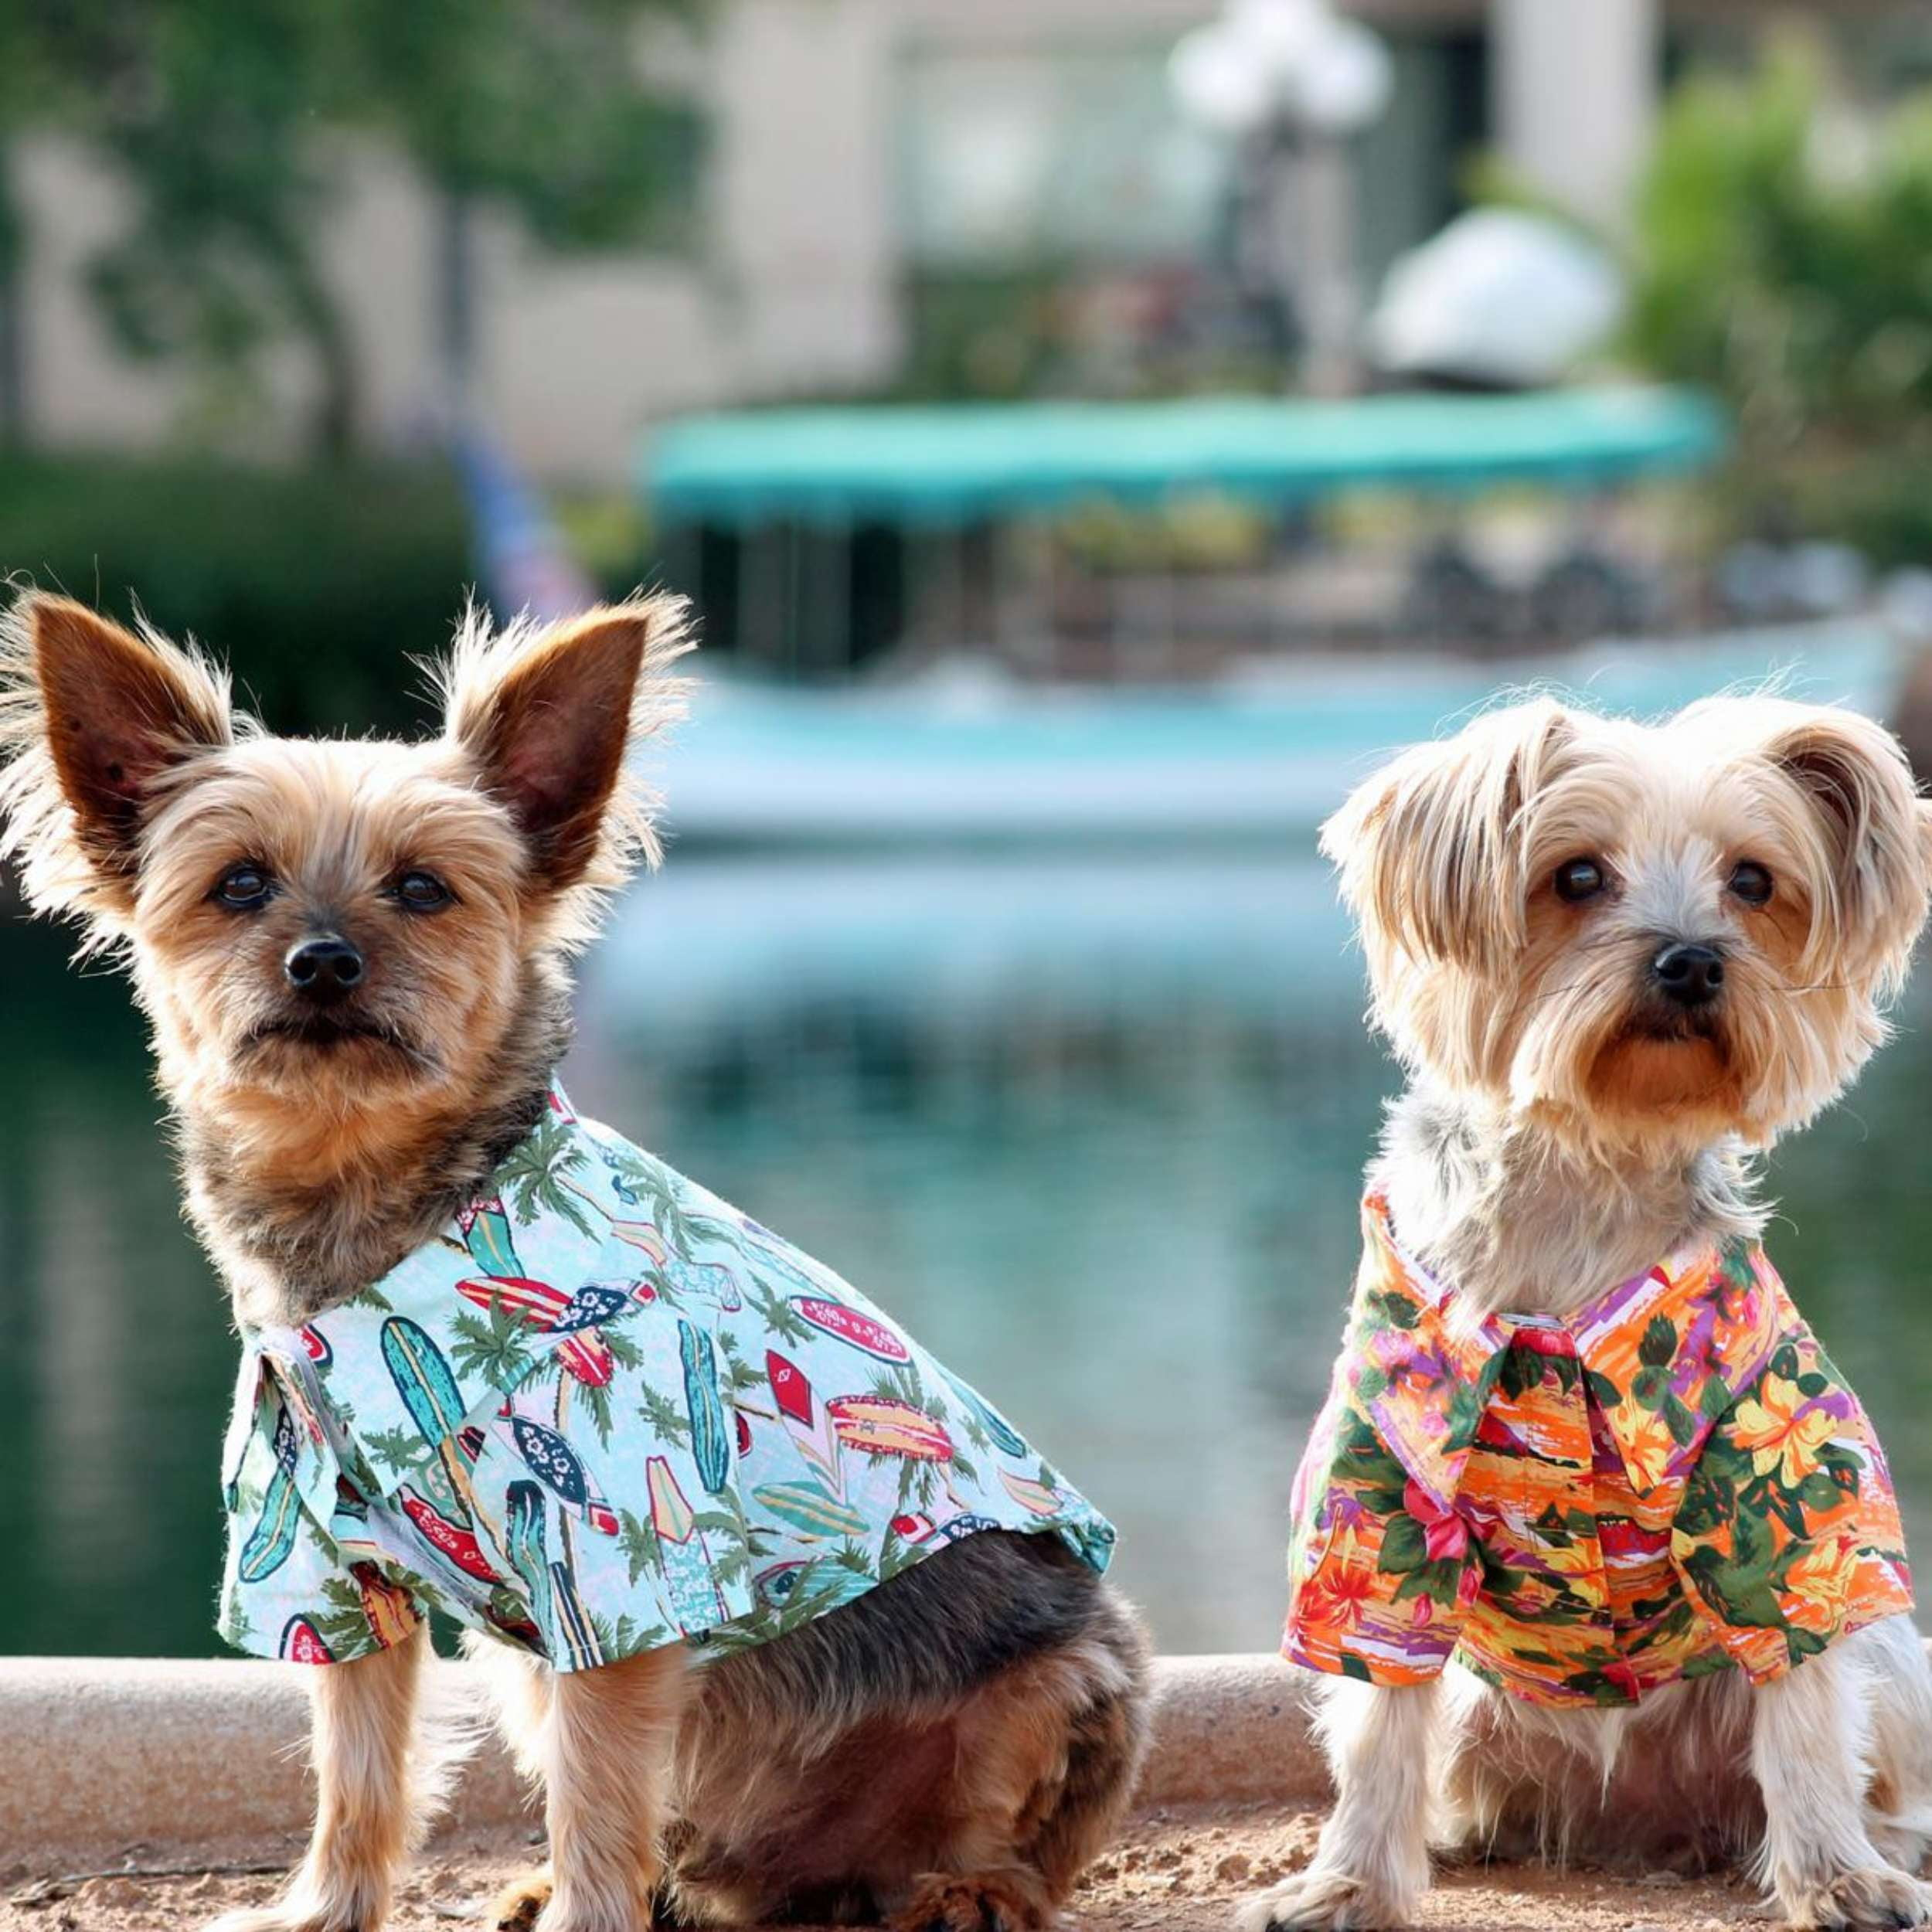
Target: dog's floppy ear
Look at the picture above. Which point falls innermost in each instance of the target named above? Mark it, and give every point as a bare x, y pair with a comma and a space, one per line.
92, 717
546, 714
1429, 849
1876, 829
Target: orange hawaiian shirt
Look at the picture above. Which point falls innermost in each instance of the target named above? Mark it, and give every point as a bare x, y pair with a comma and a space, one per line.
1671, 1481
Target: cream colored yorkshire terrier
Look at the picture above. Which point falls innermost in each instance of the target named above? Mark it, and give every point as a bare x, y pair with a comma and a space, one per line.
1596, 1549
499, 1362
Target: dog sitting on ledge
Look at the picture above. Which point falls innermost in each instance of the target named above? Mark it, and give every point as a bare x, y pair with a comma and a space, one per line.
1597, 1550
500, 1362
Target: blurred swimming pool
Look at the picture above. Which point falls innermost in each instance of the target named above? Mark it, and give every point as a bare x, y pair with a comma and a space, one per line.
1091, 1126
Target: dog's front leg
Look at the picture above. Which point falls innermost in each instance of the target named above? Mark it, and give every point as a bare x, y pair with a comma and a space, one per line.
364, 1724
1810, 1751
1372, 1865
606, 1756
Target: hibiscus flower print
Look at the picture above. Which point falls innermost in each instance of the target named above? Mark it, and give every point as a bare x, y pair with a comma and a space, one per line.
1781, 1430
1584, 1510
1445, 1535
1345, 1586
1819, 1586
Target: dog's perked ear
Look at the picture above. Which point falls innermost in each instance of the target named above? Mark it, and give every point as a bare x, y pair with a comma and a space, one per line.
547, 715
1431, 848
1875, 834
93, 719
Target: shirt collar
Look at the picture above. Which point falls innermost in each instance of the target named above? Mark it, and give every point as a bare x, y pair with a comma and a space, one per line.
398, 1343
1665, 1353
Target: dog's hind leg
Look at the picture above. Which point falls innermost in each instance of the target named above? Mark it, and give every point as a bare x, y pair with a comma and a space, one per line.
1899, 1677
948, 1749
1048, 1753
1813, 1737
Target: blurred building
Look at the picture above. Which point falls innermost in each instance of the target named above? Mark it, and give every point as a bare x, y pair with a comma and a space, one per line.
990, 198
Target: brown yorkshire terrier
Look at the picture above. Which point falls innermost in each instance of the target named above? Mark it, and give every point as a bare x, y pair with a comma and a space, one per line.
353, 956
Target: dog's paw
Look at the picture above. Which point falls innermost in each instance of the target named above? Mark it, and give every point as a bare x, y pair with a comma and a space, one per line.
1318, 1901
992, 1902
291, 1915
1878, 1898
517, 1907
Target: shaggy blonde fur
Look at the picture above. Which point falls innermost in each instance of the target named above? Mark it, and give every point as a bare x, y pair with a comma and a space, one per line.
1565, 1126
1482, 978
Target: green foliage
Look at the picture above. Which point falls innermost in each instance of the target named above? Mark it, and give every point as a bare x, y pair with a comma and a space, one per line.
498, 1350
639, 1540
208, 112
538, 105
532, 1177
397, 1450
1781, 259
216, 115
316, 587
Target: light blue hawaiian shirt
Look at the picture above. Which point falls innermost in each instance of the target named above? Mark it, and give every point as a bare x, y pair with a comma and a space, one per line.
601, 1413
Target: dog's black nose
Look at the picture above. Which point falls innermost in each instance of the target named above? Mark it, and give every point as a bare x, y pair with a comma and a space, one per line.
1691, 975
324, 967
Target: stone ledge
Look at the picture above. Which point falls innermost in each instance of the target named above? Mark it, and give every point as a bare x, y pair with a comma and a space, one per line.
102, 1754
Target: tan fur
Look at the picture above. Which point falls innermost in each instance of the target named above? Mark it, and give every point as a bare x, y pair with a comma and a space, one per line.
1562, 1130
309, 1173
959, 1742
90, 715
605, 1752
508, 696
375, 1792
519, 1905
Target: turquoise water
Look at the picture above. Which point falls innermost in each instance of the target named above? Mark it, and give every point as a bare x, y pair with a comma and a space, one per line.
1091, 1126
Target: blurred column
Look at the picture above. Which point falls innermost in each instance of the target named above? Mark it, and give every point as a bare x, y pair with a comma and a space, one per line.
802, 133
1331, 300
1575, 92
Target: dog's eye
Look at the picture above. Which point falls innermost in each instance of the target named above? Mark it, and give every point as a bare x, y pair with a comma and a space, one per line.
421, 892
1751, 881
1578, 878
243, 889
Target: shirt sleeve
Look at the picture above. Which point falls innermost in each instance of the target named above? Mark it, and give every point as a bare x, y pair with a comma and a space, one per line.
289, 1590
1379, 1578
1788, 1535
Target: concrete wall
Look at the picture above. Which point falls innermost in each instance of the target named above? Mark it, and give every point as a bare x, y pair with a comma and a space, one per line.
205, 1761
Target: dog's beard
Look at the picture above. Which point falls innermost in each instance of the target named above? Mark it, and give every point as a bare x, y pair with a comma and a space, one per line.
309, 1040
1660, 1064
1622, 1063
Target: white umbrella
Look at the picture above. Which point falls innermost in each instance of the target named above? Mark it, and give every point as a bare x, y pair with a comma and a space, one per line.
1500, 296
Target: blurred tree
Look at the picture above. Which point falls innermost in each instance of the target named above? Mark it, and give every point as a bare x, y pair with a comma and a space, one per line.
532, 107
218, 114
26, 88
1781, 258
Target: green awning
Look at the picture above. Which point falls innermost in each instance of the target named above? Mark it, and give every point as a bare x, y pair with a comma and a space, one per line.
950, 464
